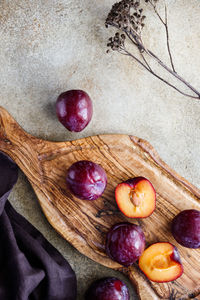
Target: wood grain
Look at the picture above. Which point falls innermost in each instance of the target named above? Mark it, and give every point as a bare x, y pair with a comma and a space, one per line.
84, 223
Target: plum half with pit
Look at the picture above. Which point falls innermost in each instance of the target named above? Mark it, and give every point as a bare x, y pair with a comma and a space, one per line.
109, 288
186, 228
136, 197
86, 180
74, 109
125, 243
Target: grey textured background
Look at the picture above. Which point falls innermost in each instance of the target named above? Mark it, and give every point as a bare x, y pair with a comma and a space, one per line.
50, 46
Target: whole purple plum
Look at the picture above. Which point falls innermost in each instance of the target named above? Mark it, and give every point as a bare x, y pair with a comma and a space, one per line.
74, 109
125, 243
86, 180
186, 228
107, 289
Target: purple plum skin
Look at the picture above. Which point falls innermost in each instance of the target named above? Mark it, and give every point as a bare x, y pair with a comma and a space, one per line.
175, 255
107, 289
86, 180
186, 228
74, 109
125, 243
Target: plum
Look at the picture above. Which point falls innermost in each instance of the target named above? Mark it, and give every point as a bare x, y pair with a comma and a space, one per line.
136, 197
107, 289
125, 243
186, 228
74, 109
161, 262
86, 180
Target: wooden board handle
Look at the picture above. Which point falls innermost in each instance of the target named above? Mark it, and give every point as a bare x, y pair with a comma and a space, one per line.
11, 134
19, 145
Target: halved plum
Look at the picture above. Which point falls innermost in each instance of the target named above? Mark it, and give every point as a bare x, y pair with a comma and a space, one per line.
136, 197
161, 262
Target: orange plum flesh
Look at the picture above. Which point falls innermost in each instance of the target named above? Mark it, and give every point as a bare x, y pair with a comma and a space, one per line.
136, 198
161, 262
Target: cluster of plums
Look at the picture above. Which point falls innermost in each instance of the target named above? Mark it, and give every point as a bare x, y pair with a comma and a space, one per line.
136, 198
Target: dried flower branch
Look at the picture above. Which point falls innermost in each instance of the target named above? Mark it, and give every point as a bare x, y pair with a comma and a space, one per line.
128, 18
165, 23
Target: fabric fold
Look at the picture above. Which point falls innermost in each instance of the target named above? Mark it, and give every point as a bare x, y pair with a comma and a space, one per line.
30, 267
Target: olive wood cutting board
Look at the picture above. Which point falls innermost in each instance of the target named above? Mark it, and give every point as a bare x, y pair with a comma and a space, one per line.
85, 223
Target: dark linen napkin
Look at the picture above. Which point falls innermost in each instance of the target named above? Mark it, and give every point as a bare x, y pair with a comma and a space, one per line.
30, 267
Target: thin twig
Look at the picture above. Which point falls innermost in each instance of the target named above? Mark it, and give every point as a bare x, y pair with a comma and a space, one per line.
165, 23
141, 53
140, 46
167, 36
157, 76
137, 59
158, 15
131, 24
146, 62
172, 72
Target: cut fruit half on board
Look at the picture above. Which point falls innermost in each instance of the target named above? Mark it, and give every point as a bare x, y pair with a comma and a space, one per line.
85, 223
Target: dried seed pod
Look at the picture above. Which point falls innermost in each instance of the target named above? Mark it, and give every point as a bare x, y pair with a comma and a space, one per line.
127, 16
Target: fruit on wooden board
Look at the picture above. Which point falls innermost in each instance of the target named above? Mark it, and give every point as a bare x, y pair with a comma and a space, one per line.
161, 262
125, 243
86, 180
136, 197
186, 228
107, 289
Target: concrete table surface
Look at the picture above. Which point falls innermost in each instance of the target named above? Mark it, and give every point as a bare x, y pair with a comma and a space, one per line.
47, 47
